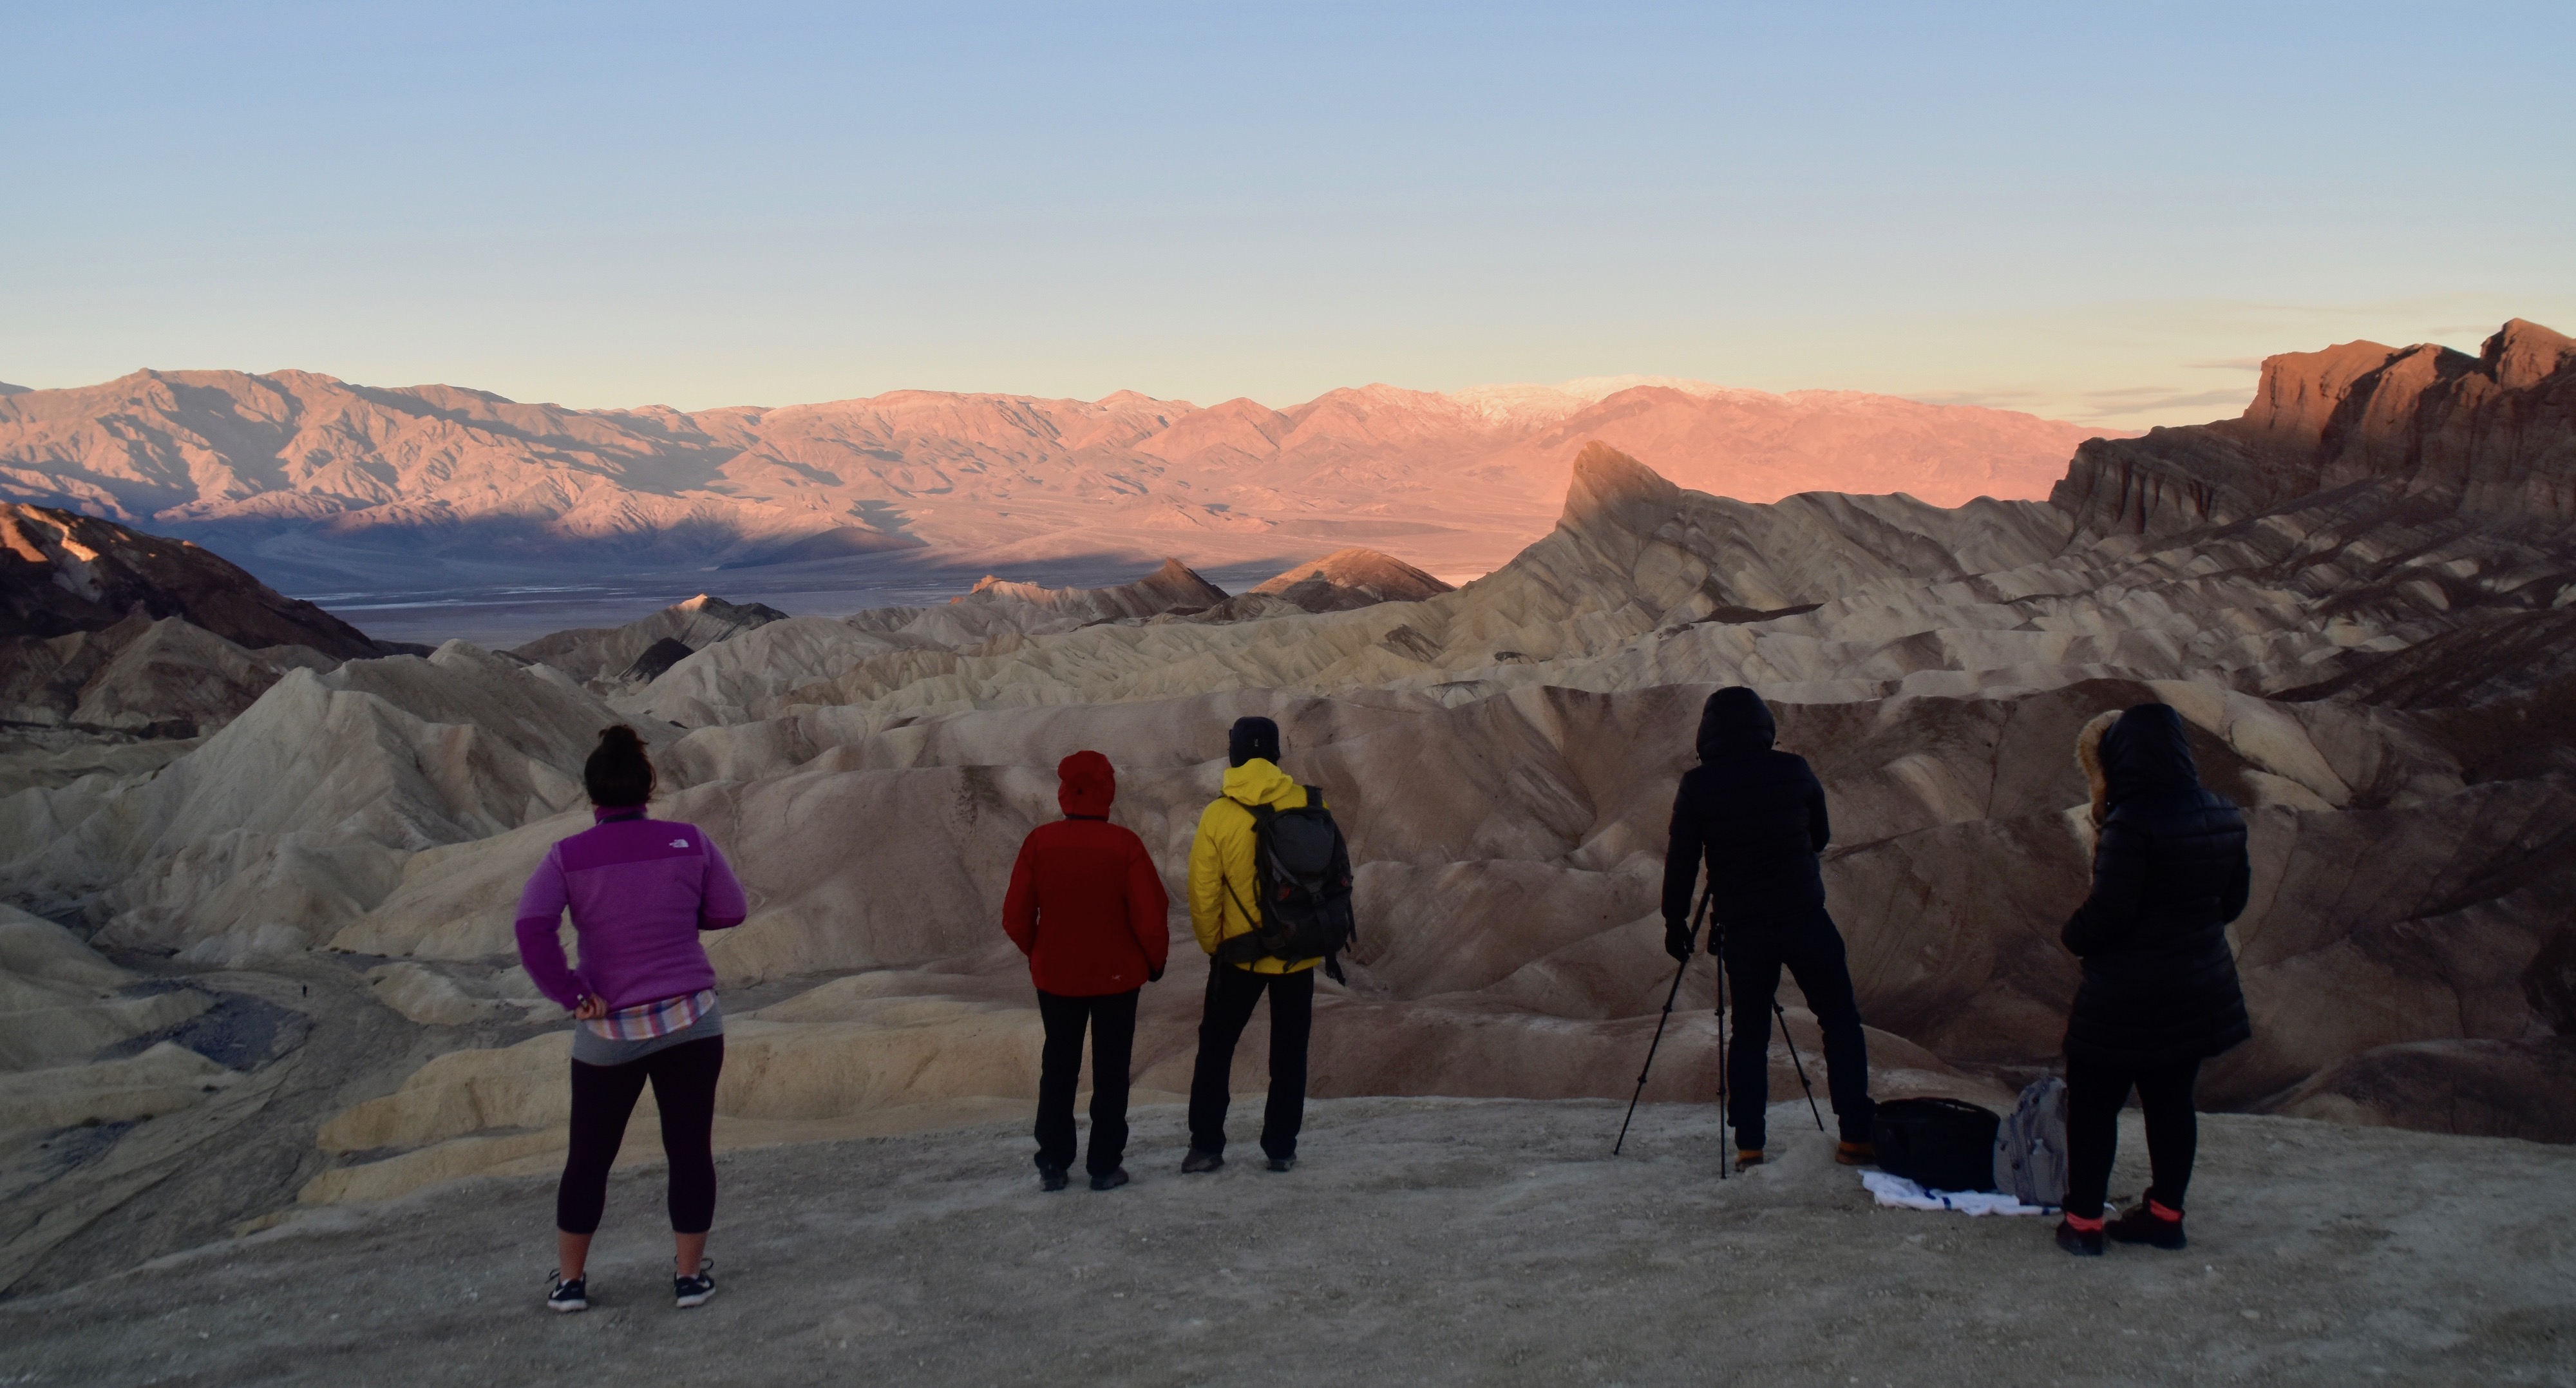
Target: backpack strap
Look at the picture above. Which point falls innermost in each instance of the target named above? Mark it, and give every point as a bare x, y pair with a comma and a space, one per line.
1230, 949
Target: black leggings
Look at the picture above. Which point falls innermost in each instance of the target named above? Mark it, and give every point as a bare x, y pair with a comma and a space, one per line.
2095, 1092
603, 1098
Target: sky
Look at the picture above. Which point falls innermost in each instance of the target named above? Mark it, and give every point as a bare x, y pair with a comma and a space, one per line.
2104, 213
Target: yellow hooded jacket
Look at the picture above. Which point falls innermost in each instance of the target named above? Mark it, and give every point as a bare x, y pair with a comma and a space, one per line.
1222, 879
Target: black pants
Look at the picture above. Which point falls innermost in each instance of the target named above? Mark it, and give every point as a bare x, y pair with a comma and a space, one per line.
1230, 997
1112, 1021
2095, 1092
603, 1098
1813, 954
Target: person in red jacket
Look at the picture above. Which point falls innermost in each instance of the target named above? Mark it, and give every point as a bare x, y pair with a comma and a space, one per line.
1087, 907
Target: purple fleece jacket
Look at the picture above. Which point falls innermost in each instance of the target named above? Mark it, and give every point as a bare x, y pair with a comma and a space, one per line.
640, 891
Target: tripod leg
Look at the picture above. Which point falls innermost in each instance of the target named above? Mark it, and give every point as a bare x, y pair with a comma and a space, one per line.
1716, 950
1783, 1014
1648, 1067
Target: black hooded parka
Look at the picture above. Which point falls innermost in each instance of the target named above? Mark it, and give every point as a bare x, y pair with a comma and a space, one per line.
2169, 873
1756, 814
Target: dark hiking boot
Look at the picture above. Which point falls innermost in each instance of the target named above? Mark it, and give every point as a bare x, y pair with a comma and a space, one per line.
1855, 1154
1051, 1178
2148, 1224
568, 1294
1283, 1163
693, 1289
1746, 1158
1198, 1161
1111, 1179
2083, 1243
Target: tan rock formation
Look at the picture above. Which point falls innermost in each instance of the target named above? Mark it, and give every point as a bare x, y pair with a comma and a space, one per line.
2492, 435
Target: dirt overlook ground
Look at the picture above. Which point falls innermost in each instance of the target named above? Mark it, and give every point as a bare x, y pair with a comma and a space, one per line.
1420, 1241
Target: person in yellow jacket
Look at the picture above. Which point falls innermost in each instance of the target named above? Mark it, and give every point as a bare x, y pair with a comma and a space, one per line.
1222, 890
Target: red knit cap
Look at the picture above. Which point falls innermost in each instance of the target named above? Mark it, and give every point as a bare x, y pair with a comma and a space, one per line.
1090, 783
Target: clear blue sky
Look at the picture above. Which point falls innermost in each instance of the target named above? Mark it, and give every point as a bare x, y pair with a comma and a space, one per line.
2102, 212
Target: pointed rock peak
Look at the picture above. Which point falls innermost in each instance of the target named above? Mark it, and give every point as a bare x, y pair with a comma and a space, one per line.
1384, 576
1177, 578
1608, 482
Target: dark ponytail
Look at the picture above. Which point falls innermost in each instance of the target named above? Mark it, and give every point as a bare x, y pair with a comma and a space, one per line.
618, 774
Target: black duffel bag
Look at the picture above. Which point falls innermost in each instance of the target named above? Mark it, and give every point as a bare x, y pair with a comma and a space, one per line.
1939, 1144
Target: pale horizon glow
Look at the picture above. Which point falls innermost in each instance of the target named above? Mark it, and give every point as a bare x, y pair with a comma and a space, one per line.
2105, 217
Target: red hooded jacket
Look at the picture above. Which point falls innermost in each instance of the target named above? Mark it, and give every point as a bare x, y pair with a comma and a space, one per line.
1086, 905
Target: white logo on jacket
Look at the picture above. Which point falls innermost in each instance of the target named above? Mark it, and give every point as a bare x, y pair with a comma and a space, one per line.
679, 843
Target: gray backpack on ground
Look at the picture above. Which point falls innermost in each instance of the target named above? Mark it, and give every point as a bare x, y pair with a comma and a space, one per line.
2030, 1146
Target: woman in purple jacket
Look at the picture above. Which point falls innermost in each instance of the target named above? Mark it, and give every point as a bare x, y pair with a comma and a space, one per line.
644, 997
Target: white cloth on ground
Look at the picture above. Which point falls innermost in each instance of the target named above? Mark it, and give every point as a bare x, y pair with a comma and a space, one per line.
1905, 1194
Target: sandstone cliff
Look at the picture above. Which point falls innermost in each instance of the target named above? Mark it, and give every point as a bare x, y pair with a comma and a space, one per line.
2492, 435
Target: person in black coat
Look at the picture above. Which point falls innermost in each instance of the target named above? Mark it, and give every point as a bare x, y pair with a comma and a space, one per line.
2160, 993
1757, 815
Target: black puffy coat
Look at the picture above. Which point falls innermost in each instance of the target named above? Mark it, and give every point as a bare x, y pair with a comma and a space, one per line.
1757, 815
2169, 873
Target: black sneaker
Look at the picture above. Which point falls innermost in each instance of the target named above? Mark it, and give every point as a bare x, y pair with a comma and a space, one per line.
2083, 1243
2144, 1225
1198, 1161
1111, 1179
567, 1294
1051, 1178
1283, 1163
694, 1290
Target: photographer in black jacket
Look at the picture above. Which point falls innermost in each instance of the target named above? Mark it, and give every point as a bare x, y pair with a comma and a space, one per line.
2160, 993
1758, 816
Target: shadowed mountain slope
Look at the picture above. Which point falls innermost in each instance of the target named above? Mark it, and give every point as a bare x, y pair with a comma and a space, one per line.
62, 572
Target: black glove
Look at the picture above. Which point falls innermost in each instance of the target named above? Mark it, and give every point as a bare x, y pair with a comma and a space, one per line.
1678, 936
1153, 975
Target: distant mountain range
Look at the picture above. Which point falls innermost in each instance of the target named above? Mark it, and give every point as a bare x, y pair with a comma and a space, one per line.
311, 481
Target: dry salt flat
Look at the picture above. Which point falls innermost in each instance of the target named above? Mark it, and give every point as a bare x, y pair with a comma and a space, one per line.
1419, 1241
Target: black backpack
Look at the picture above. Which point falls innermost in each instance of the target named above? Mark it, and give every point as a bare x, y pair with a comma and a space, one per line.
1302, 888
1939, 1144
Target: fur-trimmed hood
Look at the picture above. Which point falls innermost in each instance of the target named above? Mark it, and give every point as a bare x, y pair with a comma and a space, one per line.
2088, 755
2136, 749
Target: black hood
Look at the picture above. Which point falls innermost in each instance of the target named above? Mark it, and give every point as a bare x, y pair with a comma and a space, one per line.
1734, 723
2146, 750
